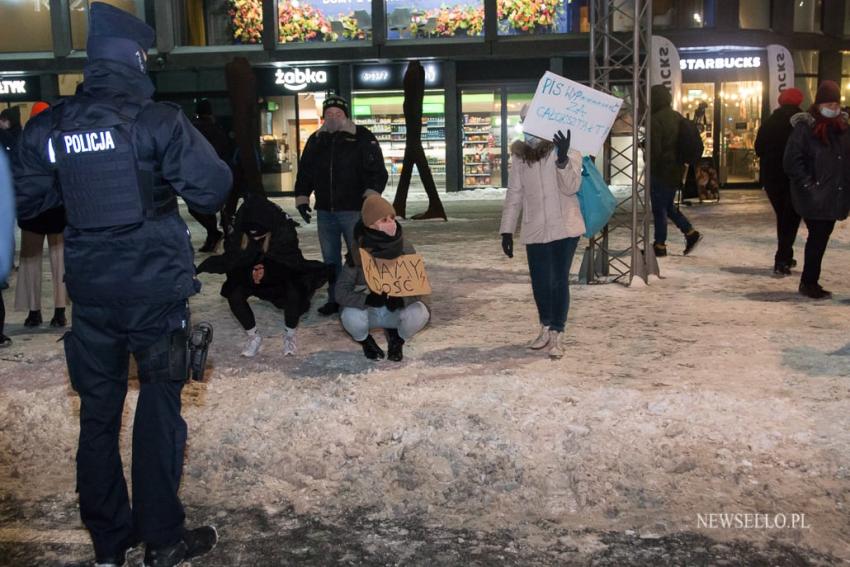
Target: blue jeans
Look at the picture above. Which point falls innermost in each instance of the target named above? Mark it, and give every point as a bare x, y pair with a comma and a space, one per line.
332, 226
549, 265
663, 198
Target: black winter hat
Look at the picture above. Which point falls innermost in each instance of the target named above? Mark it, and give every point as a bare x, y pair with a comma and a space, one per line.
116, 35
333, 99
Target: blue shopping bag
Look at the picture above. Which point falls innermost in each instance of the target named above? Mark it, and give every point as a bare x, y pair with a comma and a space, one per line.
596, 200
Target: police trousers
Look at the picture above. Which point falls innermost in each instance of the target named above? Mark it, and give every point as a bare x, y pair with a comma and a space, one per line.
97, 353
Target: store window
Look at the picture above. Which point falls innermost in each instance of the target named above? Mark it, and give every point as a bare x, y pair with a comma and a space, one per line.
482, 138
697, 13
80, 17
667, 14
845, 79
578, 16
806, 74
25, 26
286, 122
698, 106
740, 119
847, 19
754, 14
527, 17
383, 114
417, 19
808, 15
324, 20
218, 22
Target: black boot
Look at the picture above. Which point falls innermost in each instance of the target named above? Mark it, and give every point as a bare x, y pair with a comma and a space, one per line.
782, 269
58, 318
33, 319
5, 341
815, 291
329, 308
211, 243
394, 345
193, 543
371, 348
691, 240
120, 557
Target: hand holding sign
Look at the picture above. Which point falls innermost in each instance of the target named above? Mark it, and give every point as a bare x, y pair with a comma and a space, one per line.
562, 104
562, 143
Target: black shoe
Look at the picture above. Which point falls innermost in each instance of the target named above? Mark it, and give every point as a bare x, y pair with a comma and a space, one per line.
193, 543
660, 250
211, 243
394, 345
793, 263
120, 558
329, 308
5, 341
371, 348
782, 269
815, 291
691, 241
33, 319
58, 318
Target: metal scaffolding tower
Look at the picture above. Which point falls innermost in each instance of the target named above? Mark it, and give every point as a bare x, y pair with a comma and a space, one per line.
619, 65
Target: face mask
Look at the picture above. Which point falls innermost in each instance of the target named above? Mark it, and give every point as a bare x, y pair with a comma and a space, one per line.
531, 140
333, 124
828, 112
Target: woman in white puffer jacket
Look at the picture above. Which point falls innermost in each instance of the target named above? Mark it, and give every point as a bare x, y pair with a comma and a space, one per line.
543, 184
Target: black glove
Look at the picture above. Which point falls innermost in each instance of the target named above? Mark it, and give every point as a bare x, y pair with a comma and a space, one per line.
394, 303
304, 211
563, 144
508, 244
376, 300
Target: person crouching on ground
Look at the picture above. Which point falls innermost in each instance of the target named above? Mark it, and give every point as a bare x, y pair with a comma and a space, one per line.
262, 259
543, 181
380, 234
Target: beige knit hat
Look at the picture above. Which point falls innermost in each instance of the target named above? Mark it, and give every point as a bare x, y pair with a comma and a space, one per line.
374, 209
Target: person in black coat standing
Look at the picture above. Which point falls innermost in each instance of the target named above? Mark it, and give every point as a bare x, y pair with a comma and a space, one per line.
770, 148
817, 161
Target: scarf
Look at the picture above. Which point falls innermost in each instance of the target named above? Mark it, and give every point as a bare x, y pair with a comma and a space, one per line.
377, 243
824, 126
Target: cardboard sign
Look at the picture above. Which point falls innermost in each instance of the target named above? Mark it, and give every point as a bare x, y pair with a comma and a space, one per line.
562, 104
400, 277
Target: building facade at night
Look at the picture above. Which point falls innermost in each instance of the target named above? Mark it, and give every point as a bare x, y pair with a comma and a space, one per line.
482, 60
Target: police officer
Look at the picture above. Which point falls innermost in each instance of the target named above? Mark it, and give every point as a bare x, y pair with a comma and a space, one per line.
115, 160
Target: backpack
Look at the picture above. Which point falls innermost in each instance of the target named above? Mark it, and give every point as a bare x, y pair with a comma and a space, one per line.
689, 145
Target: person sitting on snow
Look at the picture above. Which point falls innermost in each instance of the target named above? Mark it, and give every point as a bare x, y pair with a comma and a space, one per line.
262, 259
379, 233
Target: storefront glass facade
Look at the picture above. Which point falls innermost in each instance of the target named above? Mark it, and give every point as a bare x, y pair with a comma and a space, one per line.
754, 14
80, 17
218, 22
324, 21
808, 15
845, 79
806, 74
412, 19
25, 26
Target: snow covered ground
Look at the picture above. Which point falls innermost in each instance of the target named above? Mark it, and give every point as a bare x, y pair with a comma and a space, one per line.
715, 390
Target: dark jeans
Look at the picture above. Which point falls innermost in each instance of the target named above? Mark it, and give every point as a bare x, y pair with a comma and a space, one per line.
97, 352
286, 296
209, 222
819, 231
332, 226
549, 265
787, 222
663, 199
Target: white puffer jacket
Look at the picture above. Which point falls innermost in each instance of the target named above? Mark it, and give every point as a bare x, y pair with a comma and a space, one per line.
546, 197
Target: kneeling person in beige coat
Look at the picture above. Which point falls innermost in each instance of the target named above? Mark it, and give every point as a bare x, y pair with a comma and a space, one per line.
543, 182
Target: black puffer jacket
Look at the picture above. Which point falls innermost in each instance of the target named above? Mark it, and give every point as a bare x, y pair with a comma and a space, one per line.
340, 167
819, 173
770, 146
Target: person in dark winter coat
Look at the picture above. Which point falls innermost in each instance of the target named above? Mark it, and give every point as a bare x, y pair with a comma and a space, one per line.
379, 233
10, 129
770, 148
7, 243
817, 161
262, 259
666, 173
205, 123
342, 164
117, 161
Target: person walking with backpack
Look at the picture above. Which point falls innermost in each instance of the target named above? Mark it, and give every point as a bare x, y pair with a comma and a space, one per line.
666, 172
816, 161
770, 148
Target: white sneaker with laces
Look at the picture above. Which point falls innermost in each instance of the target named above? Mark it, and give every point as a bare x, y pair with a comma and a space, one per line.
542, 339
290, 344
556, 346
252, 347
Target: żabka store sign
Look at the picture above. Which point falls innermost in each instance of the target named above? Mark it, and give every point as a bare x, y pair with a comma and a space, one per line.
297, 79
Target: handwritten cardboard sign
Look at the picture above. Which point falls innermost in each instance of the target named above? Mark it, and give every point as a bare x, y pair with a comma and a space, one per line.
400, 277
562, 104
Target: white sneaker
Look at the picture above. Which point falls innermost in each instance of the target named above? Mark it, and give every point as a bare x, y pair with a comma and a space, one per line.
542, 339
556, 346
252, 347
290, 344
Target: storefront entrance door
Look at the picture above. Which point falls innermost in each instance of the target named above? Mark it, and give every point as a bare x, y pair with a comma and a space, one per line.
740, 119
285, 124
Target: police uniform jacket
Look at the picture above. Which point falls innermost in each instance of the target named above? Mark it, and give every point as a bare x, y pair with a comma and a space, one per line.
144, 262
340, 167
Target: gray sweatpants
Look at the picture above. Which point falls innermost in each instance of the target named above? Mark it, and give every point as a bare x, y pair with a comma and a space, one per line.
407, 321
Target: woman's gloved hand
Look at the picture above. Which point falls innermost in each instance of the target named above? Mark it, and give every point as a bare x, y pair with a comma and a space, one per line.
562, 143
394, 303
376, 300
304, 211
508, 244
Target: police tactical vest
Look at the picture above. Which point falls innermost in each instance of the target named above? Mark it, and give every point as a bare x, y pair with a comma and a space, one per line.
103, 184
